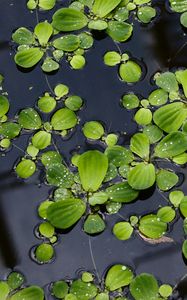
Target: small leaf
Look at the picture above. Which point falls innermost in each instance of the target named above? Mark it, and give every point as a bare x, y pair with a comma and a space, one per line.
184, 249
63, 119
41, 140
43, 31
29, 119
119, 31
93, 130
86, 40
143, 116
97, 25
61, 90
51, 158
112, 58
166, 214
67, 43
173, 144
28, 58
10, 130
44, 253
49, 65
171, 116
4, 105
73, 102
83, 290
47, 4
117, 277
29, 293
144, 287
178, 5
25, 168
130, 72
139, 144
121, 192
146, 14
130, 101
153, 133
166, 179
158, 97
94, 224
23, 36
98, 198
175, 197
60, 289
167, 81
152, 227
92, 166
183, 206
118, 155
104, 7
78, 62
46, 104
69, 19
181, 75
65, 213
4, 290
123, 230
165, 290
142, 176
59, 175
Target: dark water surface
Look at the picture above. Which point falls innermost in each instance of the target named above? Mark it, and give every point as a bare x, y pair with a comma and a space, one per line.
156, 46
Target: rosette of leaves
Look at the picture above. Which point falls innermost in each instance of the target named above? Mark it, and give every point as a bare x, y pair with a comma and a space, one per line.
41, 4
180, 6
38, 46
103, 15
129, 70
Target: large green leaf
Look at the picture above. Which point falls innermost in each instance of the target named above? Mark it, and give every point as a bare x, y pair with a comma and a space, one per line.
28, 58
171, 116
69, 19
166, 179
23, 36
29, 119
68, 43
92, 166
30, 293
63, 119
173, 144
10, 130
117, 277
65, 213
152, 227
43, 31
119, 155
139, 144
121, 192
83, 290
144, 287
142, 176
119, 31
104, 7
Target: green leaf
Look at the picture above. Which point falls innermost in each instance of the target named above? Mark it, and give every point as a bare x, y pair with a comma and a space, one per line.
29, 119
97, 25
167, 81
175, 197
41, 140
142, 176
166, 214
102, 296
104, 7
144, 287
165, 290
158, 97
65, 213
181, 75
83, 290
130, 101
4, 105
146, 14
130, 72
46, 104
51, 158
4, 290
46, 4
59, 175
153, 133
44, 253
119, 31
67, 43
112, 173
184, 249
86, 40
121, 14
78, 62
49, 65
152, 227
121, 192
118, 155
178, 5
60, 289
63, 119
117, 277
94, 224
26, 168
10, 130
23, 36
166, 179
92, 166
180, 159
98, 198
43, 32
73, 102
171, 116
69, 19
183, 206
61, 90
112, 58
93, 130
123, 230
173, 144
139, 144
143, 116
28, 58
29, 293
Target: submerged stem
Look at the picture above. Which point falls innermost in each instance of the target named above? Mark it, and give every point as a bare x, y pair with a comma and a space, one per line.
93, 259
